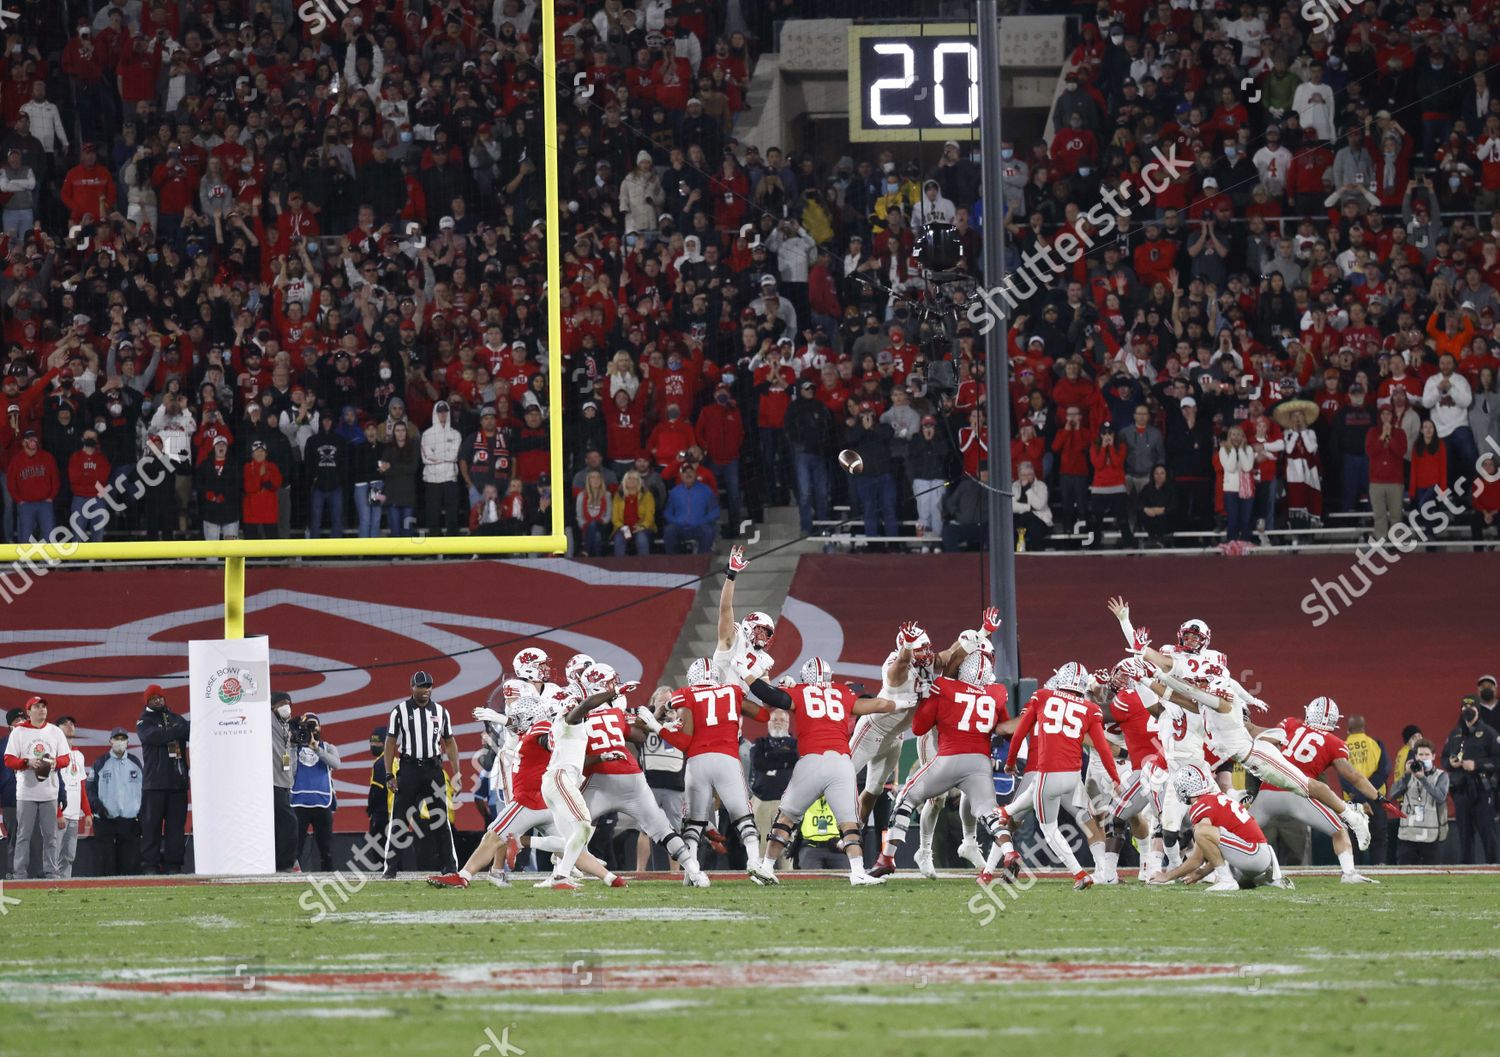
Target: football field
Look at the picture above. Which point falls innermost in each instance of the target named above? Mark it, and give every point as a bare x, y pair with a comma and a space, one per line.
811, 967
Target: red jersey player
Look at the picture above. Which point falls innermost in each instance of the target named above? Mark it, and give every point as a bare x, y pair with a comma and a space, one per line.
1224, 834
708, 714
525, 716
1055, 721
1313, 747
1132, 705
966, 712
825, 713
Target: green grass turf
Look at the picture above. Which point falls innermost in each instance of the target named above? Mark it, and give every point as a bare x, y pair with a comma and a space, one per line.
1412, 966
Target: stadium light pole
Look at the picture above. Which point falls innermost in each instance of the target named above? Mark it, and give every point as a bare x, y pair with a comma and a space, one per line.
1002, 532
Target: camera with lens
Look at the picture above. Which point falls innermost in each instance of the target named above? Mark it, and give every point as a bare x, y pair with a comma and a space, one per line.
303, 730
1416, 766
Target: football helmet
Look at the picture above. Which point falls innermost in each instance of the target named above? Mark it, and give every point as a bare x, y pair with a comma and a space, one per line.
1322, 713
1128, 672
1072, 676
556, 702
912, 636
524, 714
817, 672
699, 671
1191, 782
978, 668
758, 629
533, 664
577, 665
1197, 628
598, 678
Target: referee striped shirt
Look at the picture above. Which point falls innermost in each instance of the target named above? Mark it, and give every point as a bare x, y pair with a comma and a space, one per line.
420, 730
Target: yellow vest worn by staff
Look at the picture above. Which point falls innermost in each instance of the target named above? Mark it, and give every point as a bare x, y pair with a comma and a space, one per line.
818, 825
1364, 754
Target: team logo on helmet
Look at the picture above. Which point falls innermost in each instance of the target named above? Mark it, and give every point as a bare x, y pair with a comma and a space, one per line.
1191, 782
700, 671
1199, 630
577, 665
557, 701
533, 663
1322, 713
1071, 676
759, 629
817, 672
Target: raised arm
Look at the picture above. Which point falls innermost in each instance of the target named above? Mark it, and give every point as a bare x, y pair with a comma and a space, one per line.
737, 564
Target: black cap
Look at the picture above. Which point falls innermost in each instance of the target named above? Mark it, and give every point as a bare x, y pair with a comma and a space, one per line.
421, 679
279, 696
379, 732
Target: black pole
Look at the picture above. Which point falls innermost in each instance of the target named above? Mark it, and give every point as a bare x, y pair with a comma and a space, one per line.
1002, 565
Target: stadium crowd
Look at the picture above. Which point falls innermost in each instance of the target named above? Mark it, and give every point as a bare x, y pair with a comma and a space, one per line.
306, 269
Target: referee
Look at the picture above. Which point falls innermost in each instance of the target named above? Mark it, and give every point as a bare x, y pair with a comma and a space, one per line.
418, 732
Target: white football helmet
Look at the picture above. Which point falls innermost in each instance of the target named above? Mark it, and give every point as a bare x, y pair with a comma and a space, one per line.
533, 664
517, 692
1192, 782
556, 702
978, 668
919, 642
1128, 672
598, 678
700, 671
758, 629
525, 714
817, 672
1197, 628
1322, 713
1072, 676
577, 665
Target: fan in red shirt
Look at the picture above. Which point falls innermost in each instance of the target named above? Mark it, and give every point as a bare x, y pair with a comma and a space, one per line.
825, 713
967, 712
1227, 842
1313, 747
1055, 722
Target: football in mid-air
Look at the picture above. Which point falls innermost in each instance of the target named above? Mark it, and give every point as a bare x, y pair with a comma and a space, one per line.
851, 461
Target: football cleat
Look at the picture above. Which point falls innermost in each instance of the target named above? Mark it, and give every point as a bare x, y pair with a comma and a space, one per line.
1082, 882
985, 879
1359, 826
1282, 882
865, 879
1098, 880
1012, 863
924, 865
969, 852
561, 884
762, 874
499, 880
716, 840
696, 879
617, 881
1357, 879
448, 880
1225, 886
884, 866
512, 850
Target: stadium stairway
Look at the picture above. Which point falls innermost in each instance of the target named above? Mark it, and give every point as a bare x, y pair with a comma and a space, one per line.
764, 586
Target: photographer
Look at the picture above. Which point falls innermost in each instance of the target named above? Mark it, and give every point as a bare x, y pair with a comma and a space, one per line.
1422, 791
283, 771
312, 787
1473, 759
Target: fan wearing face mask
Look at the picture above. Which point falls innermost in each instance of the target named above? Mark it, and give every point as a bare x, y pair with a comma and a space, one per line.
116, 783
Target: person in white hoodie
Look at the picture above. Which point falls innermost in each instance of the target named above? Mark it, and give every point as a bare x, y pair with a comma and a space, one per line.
1447, 396
440, 444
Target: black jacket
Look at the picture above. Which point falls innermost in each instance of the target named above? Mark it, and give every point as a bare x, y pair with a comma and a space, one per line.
928, 460
809, 426
771, 763
873, 445
161, 731
1477, 742
326, 460
219, 489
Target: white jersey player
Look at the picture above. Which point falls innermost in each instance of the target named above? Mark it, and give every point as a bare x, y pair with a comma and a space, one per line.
905, 678
1231, 736
740, 655
562, 782
533, 665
